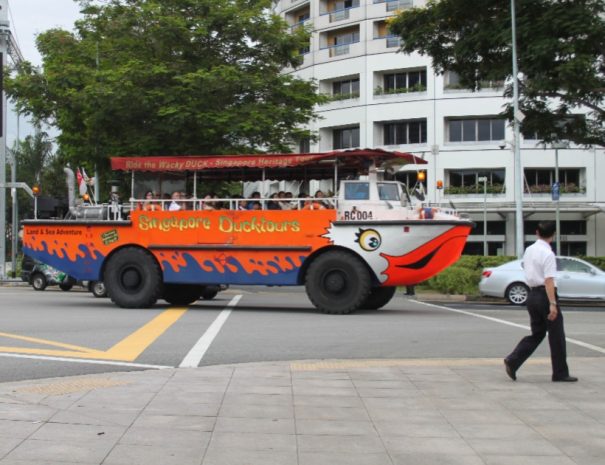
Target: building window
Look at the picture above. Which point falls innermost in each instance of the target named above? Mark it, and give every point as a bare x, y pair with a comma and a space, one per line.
304, 146
493, 228
467, 181
568, 227
476, 248
340, 42
346, 89
396, 5
346, 138
475, 130
540, 180
452, 81
405, 132
403, 82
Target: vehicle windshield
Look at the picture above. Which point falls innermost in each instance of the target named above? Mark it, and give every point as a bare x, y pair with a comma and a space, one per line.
388, 191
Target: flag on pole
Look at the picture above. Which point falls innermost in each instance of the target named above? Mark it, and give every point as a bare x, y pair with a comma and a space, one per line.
81, 182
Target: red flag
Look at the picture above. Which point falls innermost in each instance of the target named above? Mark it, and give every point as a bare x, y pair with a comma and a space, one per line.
81, 182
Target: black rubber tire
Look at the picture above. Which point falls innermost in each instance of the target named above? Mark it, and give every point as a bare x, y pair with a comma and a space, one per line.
379, 297
210, 292
181, 294
66, 286
133, 278
98, 289
337, 282
39, 281
517, 293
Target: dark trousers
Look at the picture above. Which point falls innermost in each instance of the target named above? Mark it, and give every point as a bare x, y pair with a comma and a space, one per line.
538, 307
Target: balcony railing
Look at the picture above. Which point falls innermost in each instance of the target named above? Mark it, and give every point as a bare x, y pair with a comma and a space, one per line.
392, 40
340, 15
394, 5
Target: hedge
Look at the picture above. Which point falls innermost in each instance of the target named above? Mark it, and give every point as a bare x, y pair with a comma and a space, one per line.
463, 276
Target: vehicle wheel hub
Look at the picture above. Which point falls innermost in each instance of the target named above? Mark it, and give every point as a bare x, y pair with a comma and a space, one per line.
335, 282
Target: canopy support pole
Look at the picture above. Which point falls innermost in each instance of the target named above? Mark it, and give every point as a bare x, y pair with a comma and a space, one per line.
194, 190
132, 190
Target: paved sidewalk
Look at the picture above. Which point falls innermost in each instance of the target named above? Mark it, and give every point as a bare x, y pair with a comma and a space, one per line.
391, 412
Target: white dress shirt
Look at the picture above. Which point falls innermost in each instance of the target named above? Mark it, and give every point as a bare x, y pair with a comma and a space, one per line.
539, 263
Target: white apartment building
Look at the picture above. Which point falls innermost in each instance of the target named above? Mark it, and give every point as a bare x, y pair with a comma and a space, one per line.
380, 98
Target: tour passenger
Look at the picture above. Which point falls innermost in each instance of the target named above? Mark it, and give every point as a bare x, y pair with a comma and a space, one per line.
175, 205
149, 205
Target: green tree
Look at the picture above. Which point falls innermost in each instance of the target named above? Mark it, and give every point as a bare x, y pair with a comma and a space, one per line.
37, 164
168, 77
561, 55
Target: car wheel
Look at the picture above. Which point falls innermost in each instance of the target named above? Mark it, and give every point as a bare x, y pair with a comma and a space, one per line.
210, 292
337, 282
517, 293
39, 282
379, 297
133, 278
66, 286
98, 289
181, 294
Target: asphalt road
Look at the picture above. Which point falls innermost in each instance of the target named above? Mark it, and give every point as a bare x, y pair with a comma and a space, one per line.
55, 333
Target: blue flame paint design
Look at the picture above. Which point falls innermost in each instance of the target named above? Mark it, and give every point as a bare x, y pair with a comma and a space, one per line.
86, 266
193, 273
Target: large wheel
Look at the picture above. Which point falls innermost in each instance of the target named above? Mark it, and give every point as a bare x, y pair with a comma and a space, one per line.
210, 292
66, 286
181, 294
39, 281
337, 282
133, 278
517, 293
379, 297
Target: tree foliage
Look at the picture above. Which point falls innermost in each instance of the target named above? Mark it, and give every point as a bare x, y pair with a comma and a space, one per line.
561, 56
168, 77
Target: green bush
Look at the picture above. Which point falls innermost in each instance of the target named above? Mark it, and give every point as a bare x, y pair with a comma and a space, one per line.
455, 280
599, 262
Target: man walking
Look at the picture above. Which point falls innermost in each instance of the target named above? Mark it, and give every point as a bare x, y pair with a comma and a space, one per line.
540, 266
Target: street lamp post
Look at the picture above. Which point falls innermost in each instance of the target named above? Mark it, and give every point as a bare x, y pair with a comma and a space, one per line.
517, 117
557, 146
483, 179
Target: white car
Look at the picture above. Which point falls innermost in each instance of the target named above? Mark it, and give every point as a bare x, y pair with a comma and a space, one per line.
575, 280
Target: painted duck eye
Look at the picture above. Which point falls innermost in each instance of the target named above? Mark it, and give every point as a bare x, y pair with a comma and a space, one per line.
368, 239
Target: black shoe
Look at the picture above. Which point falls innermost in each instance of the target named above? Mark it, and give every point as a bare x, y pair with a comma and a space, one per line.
509, 370
566, 379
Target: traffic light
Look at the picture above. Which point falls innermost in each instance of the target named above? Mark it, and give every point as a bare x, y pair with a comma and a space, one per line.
36, 190
421, 176
439, 184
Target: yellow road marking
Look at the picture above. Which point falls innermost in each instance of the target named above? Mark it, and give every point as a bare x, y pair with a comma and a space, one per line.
46, 342
130, 348
126, 350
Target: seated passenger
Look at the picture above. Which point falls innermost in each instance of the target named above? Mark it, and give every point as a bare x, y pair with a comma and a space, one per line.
312, 204
149, 204
253, 199
256, 206
426, 213
175, 205
273, 204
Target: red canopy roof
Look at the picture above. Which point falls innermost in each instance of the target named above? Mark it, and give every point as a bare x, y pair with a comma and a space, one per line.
272, 160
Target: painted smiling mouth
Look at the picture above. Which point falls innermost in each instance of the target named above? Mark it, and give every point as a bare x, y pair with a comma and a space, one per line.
424, 261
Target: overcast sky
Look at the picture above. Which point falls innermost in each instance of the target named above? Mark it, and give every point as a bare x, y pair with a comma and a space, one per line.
27, 19
30, 17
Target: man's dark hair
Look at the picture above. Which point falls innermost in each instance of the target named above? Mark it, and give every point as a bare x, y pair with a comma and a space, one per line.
546, 229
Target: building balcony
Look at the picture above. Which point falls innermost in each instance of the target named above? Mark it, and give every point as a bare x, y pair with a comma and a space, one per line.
382, 44
339, 51
327, 19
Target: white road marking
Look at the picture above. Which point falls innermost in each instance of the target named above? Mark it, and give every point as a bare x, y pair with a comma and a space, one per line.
84, 360
516, 325
197, 352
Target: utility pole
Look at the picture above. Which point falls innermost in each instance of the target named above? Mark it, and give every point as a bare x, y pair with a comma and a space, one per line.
8, 47
4, 45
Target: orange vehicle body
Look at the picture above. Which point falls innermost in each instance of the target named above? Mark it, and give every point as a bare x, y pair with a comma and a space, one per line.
229, 247
391, 244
